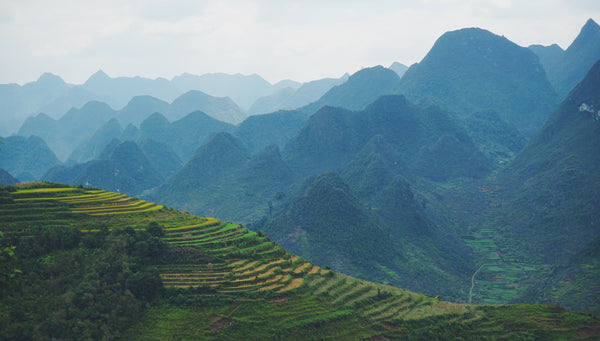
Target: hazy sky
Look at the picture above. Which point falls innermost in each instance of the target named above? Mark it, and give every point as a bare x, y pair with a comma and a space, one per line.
277, 39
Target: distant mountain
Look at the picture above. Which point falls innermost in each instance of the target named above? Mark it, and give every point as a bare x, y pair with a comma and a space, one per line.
257, 132
6, 178
125, 170
271, 103
331, 138
222, 179
71, 130
361, 89
286, 83
577, 60
398, 68
121, 90
472, 70
548, 55
243, 90
192, 131
17, 102
93, 147
552, 193
293, 98
222, 109
162, 157
184, 135
74, 129
19, 154
210, 162
140, 107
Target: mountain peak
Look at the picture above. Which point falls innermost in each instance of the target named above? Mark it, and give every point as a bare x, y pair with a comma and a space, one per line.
48, 77
577, 60
588, 35
98, 76
590, 24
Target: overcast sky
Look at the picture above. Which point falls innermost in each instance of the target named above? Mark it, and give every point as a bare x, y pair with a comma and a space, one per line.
277, 39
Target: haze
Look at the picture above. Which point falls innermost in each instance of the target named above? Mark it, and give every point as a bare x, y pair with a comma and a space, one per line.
276, 39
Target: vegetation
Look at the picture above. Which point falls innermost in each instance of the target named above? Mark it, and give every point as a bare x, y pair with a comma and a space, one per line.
165, 274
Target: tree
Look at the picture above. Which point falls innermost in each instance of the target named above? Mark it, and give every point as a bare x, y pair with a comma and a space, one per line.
8, 270
155, 230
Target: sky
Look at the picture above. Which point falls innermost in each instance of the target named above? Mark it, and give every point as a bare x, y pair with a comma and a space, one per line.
301, 40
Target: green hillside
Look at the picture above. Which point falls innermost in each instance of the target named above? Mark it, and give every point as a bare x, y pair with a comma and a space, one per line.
471, 70
102, 265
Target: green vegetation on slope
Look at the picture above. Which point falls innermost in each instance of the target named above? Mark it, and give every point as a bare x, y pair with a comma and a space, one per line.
162, 274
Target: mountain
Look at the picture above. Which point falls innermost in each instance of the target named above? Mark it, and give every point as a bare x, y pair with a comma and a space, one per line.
126, 268
222, 109
577, 59
17, 102
126, 169
139, 108
224, 180
243, 90
373, 168
472, 70
398, 68
259, 131
162, 157
210, 162
361, 89
549, 213
71, 130
496, 138
190, 132
271, 103
6, 178
326, 222
293, 98
331, 138
121, 90
75, 128
92, 148
19, 154
548, 55
286, 83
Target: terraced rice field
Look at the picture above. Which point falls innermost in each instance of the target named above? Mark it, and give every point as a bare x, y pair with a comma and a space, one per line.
232, 259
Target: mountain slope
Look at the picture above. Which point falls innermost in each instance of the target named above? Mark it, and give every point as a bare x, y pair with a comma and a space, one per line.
259, 131
293, 98
139, 108
6, 178
95, 145
548, 55
332, 136
223, 180
399, 68
390, 242
155, 273
361, 89
26, 155
472, 70
220, 108
71, 130
121, 167
550, 193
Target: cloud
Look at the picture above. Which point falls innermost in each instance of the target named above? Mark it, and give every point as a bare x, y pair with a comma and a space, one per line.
277, 39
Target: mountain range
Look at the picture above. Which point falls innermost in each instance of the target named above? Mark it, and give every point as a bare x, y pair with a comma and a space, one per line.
470, 176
